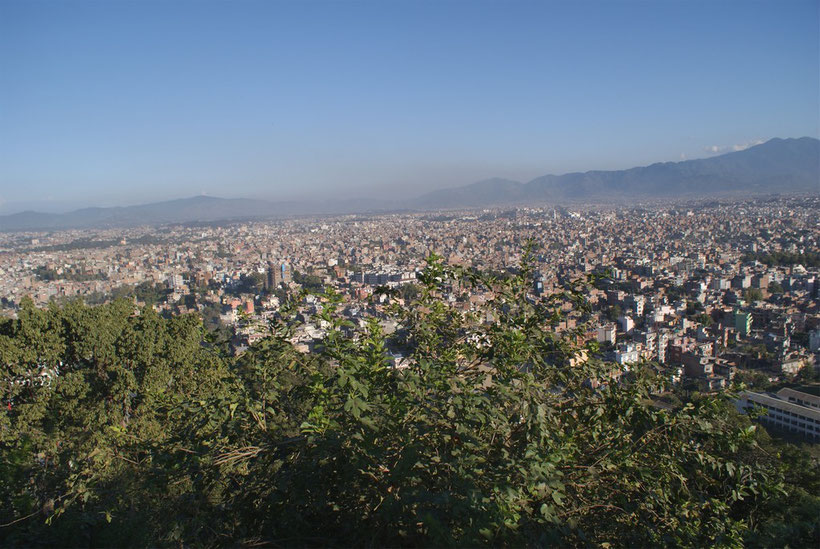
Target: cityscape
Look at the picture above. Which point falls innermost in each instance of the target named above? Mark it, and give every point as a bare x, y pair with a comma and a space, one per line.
418, 273
713, 289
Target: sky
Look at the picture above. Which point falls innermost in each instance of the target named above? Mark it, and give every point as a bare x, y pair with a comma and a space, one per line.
117, 102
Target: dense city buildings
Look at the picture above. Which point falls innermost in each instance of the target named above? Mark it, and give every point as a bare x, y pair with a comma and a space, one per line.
708, 289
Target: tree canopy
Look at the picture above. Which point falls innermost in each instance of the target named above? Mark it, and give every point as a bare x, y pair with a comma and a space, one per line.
121, 427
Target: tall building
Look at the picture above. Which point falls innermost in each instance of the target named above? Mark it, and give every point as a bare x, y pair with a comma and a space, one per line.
283, 274
663, 342
270, 276
277, 275
743, 322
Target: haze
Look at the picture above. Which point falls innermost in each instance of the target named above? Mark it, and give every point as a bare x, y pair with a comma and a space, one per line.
105, 103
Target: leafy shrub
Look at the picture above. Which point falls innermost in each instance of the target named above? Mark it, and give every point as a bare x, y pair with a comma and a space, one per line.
495, 434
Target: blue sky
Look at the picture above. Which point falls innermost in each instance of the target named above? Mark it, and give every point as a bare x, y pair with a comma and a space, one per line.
117, 102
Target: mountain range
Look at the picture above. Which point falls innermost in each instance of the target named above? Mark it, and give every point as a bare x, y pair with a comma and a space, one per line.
777, 166
780, 166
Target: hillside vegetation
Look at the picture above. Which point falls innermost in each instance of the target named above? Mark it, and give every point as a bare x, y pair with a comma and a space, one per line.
152, 435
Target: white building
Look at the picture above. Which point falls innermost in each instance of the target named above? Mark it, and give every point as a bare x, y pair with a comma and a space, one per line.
788, 409
814, 340
627, 354
606, 334
176, 281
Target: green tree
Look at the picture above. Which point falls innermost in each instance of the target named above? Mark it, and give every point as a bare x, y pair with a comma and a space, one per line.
496, 432
752, 294
409, 292
775, 288
614, 312
310, 282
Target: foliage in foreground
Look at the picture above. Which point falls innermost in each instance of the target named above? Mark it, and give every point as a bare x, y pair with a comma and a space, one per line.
152, 436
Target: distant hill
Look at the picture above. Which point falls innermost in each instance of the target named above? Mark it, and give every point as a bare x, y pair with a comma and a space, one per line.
777, 166
199, 208
495, 191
